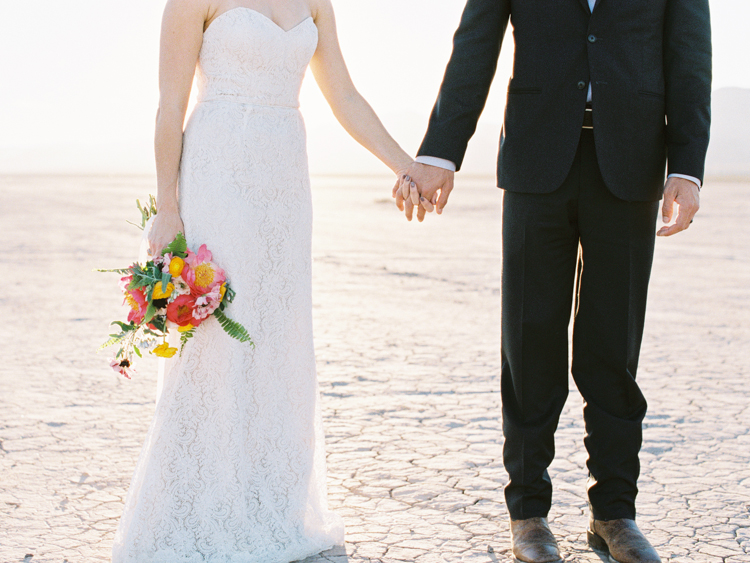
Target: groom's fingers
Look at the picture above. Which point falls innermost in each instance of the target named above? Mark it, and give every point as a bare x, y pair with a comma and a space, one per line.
399, 200
414, 193
409, 209
442, 201
427, 204
397, 195
667, 208
421, 213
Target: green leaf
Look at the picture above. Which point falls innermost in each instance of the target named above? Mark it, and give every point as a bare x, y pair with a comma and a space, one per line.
150, 313
178, 247
160, 322
232, 328
126, 327
137, 351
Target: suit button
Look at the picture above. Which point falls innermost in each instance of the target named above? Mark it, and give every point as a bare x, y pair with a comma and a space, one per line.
592, 38
581, 85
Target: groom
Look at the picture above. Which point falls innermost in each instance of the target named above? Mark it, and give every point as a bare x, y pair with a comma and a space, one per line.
604, 94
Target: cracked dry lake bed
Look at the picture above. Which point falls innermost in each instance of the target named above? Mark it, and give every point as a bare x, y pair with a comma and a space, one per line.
407, 339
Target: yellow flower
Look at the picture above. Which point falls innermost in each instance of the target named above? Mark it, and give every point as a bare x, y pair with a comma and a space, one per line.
222, 291
204, 275
185, 328
176, 266
164, 351
159, 294
132, 302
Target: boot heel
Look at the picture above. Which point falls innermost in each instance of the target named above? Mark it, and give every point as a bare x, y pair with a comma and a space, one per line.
596, 542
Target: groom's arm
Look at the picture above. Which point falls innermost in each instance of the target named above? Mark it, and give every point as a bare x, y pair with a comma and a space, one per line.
687, 76
467, 81
463, 94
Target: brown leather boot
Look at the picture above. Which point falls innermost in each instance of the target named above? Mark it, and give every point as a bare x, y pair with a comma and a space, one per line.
622, 540
532, 541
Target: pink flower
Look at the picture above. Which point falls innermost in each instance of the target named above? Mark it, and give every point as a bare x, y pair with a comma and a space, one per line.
180, 311
163, 261
205, 305
123, 367
200, 273
136, 298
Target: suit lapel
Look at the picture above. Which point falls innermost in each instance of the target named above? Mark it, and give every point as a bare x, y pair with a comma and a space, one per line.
585, 5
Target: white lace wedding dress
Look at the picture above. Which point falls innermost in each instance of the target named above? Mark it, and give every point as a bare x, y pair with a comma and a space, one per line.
233, 467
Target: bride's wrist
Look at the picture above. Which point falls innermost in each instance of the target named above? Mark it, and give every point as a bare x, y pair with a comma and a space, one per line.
167, 206
401, 163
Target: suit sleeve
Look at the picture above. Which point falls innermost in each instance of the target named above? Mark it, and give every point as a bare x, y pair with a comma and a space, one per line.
467, 81
687, 70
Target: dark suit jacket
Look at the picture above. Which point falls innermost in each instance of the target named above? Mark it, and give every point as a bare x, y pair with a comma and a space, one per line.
649, 62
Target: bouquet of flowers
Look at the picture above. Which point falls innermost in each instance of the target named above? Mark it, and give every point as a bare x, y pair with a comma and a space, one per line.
179, 288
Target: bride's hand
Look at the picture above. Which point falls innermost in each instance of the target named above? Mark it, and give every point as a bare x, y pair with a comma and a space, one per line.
167, 223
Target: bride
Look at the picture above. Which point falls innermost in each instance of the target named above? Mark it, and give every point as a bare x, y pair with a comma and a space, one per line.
233, 467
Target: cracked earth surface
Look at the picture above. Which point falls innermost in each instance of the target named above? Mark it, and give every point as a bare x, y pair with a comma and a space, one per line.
407, 338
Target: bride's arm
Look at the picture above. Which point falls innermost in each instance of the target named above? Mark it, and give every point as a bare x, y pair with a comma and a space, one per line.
181, 39
349, 107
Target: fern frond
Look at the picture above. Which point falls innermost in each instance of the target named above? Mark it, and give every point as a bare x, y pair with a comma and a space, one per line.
184, 337
116, 339
116, 271
232, 328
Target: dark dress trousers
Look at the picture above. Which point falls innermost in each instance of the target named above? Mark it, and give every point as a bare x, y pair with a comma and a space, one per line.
579, 210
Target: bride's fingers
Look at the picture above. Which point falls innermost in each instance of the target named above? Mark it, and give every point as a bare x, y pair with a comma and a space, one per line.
427, 204
405, 187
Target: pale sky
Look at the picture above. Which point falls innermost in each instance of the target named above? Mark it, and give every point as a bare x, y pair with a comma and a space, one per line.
79, 81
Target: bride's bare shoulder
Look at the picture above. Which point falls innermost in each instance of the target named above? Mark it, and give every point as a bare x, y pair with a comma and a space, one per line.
320, 8
191, 8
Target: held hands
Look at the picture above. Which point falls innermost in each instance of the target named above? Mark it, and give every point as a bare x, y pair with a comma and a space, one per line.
686, 195
423, 187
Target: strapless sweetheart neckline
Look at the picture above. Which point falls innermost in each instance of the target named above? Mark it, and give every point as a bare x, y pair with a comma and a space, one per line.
262, 16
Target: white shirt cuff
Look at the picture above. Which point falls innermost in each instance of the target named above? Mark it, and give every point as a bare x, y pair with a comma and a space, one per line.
439, 162
694, 180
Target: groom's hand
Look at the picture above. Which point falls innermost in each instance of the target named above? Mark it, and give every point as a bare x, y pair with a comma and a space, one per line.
425, 187
686, 195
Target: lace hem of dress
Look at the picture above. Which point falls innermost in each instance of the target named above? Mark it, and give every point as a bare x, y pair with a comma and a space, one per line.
296, 554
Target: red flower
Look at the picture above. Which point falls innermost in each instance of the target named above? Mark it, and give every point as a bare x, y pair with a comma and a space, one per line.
136, 299
180, 311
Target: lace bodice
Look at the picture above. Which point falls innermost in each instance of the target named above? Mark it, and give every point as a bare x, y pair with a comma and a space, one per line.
258, 68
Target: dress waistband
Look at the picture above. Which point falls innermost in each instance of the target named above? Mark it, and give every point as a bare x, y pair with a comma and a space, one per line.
243, 100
